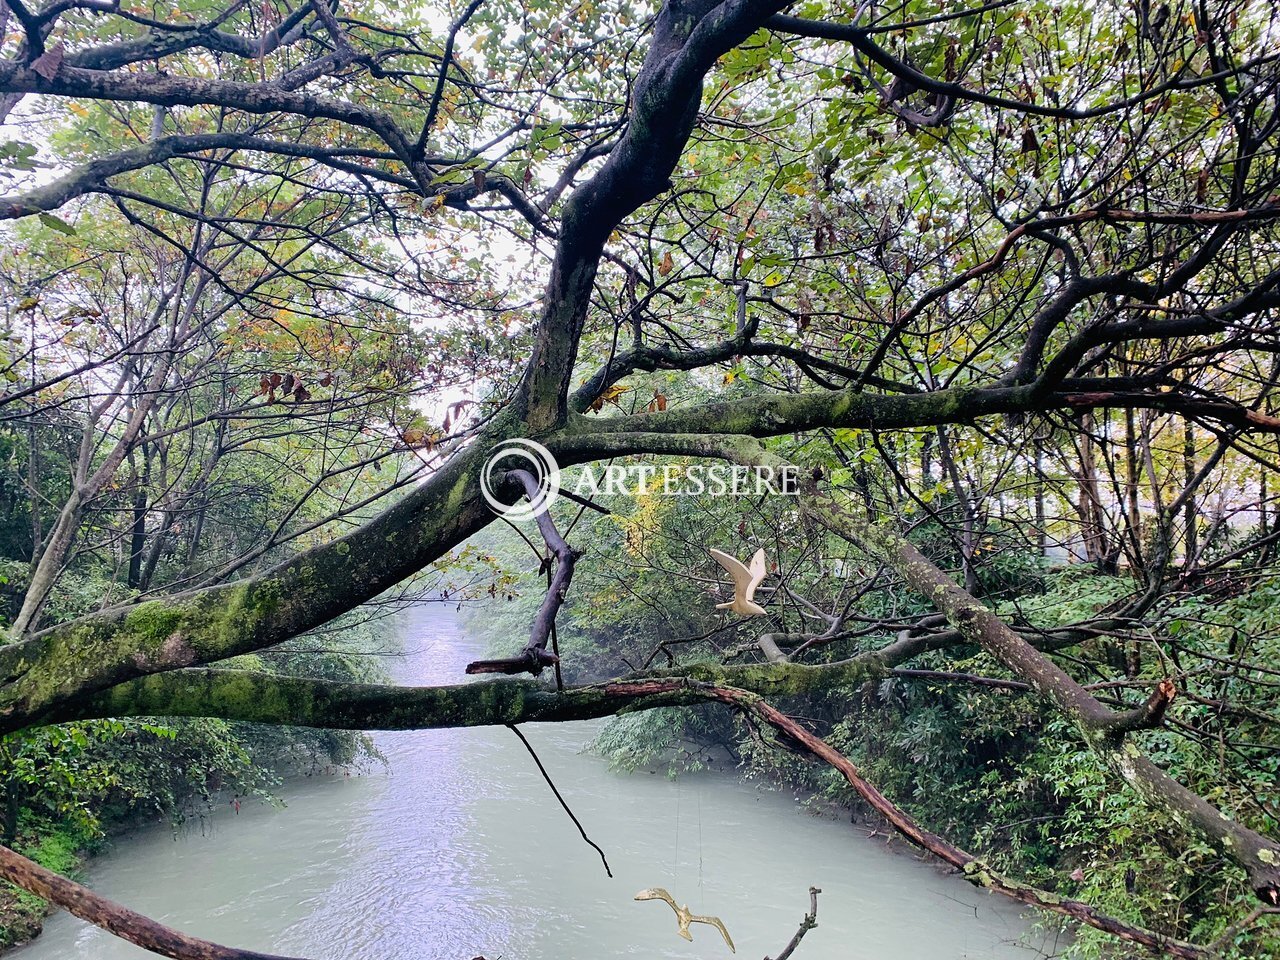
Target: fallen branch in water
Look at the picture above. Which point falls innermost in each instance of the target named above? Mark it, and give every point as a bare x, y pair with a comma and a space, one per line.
808, 923
126, 924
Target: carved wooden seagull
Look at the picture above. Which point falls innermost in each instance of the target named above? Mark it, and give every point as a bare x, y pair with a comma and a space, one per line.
683, 916
745, 581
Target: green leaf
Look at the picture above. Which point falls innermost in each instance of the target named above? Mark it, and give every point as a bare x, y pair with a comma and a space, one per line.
19, 155
55, 223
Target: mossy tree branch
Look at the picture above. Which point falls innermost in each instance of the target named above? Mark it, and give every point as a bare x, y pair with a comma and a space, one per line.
79, 658
273, 699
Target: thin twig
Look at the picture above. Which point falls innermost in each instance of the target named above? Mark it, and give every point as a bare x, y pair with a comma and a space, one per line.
808, 923
547, 777
1241, 925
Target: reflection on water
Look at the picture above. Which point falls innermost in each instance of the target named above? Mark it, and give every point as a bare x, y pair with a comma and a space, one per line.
459, 850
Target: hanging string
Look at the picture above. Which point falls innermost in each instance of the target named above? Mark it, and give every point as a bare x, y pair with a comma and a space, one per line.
675, 849
702, 905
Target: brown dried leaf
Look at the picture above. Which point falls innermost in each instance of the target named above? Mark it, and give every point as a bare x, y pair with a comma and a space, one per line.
50, 62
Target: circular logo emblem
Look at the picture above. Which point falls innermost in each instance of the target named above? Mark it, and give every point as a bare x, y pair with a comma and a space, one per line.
532, 457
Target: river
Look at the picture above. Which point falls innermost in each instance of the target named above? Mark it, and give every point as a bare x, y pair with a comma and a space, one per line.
458, 850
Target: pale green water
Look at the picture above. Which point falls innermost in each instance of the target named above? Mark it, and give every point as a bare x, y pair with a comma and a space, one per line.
460, 851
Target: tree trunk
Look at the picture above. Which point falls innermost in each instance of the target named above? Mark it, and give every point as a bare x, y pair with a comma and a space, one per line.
1189, 509
138, 529
1042, 538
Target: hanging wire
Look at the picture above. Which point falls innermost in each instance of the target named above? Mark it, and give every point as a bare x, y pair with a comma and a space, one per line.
675, 849
702, 904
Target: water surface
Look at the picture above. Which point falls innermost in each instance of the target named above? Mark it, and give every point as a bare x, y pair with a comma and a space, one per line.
458, 850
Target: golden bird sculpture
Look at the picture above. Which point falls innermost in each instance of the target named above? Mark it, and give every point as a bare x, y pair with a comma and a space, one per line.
745, 581
684, 917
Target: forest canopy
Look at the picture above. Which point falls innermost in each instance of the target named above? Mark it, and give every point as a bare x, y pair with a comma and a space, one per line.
996, 282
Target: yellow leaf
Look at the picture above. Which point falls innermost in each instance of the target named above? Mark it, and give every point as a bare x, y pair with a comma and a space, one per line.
610, 395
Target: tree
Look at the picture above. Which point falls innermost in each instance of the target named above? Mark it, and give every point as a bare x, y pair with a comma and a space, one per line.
901, 233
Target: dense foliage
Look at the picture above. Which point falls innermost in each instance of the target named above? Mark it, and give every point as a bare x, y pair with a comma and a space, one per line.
998, 281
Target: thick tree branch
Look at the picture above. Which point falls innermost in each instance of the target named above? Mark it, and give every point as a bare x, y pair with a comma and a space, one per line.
687, 39
860, 39
170, 90
274, 699
75, 659
780, 414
